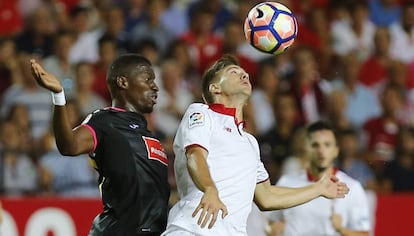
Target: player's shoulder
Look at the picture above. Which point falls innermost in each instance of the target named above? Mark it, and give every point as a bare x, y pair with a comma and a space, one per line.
351, 182
100, 114
294, 179
197, 107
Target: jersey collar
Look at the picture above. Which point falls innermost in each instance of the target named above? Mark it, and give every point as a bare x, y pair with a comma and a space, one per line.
312, 178
220, 108
115, 109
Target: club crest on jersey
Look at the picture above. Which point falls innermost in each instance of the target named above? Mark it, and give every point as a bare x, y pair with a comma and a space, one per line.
196, 119
155, 150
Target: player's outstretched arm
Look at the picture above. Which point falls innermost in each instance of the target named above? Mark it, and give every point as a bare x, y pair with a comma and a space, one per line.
268, 197
210, 204
69, 142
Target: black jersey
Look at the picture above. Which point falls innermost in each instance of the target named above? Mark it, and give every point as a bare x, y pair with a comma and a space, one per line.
133, 170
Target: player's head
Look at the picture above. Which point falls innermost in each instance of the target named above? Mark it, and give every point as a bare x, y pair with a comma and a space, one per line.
130, 80
323, 148
225, 79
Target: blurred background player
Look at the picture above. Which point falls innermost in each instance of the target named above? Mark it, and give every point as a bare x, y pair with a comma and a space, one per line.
321, 216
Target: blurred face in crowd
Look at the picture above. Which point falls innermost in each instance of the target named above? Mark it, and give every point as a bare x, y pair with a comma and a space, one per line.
323, 149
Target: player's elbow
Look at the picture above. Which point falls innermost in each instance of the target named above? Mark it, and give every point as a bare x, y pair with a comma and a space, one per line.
264, 204
67, 150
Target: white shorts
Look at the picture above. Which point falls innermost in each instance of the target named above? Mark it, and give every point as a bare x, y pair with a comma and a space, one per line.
173, 230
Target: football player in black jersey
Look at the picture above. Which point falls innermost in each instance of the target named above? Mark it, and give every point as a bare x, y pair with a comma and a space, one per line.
132, 164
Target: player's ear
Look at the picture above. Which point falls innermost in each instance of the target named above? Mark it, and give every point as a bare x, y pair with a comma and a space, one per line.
122, 82
214, 88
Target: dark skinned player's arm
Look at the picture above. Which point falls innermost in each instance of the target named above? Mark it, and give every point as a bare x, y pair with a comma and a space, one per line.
70, 142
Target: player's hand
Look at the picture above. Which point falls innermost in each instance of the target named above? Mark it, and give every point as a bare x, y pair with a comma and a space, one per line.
210, 206
336, 220
332, 188
276, 228
45, 79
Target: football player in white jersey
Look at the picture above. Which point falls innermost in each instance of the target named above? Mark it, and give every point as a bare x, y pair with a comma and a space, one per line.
217, 163
348, 216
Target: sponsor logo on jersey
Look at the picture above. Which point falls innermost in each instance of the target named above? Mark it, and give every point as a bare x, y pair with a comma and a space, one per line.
155, 150
133, 126
196, 119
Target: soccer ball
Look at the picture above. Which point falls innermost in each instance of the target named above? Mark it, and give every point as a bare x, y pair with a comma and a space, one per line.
270, 27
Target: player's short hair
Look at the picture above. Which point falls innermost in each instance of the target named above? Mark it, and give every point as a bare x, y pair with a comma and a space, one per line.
125, 65
210, 75
319, 126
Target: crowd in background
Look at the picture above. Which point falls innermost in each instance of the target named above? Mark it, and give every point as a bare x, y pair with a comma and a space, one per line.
351, 64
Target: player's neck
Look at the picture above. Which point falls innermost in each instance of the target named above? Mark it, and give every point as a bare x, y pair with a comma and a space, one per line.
317, 173
234, 103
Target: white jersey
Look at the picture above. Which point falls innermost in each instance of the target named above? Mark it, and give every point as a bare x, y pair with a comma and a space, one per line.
234, 164
313, 218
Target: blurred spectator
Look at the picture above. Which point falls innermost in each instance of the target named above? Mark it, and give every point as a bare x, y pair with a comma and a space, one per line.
222, 14
88, 101
275, 144
134, 12
263, 97
373, 72
399, 174
298, 160
381, 131
152, 27
205, 46
58, 63
361, 102
107, 52
9, 65
350, 159
384, 12
313, 33
31, 95
11, 22
233, 37
179, 51
306, 85
173, 99
37, 36
115, 27
19, 174
355, 33
336, 104
85, 46
174, 18
19, 115
67, 176
402, 33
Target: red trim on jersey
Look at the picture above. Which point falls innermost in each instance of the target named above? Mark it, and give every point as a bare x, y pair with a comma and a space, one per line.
220, 108
314, 179
194, 145
95, 140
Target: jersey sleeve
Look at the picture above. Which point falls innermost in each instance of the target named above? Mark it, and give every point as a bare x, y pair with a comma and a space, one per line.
262, 174
95, 126
196, 127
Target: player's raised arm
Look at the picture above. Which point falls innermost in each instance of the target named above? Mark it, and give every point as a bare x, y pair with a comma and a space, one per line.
69, 142
269, 197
